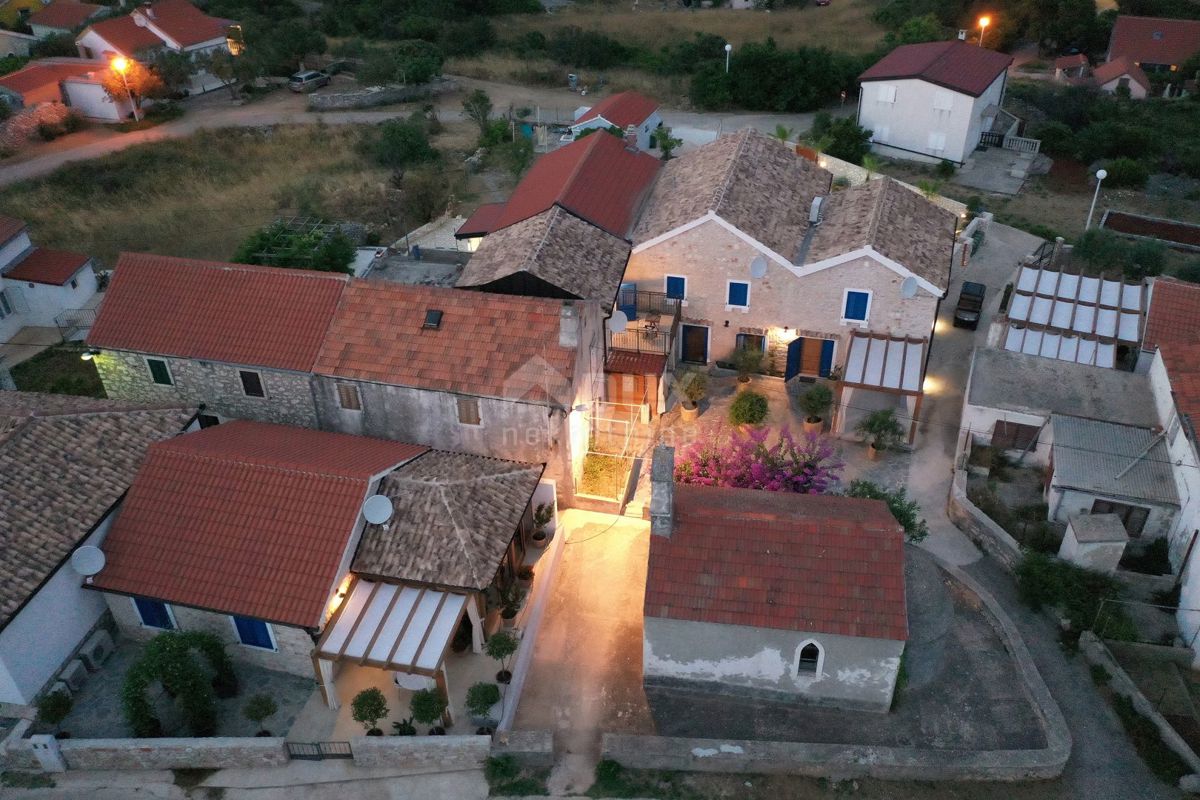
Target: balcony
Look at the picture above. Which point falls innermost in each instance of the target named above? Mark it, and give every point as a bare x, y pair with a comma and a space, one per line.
653, 323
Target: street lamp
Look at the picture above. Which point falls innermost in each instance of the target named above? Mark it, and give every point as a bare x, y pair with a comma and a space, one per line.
120, 65
983, 23
1100, 176
728, 50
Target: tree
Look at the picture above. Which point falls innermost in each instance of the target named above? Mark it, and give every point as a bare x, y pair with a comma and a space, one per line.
170, 659
750, 461
368, 707
478, 108
667, 144
281, 46
428, 706
409, 63
424, 195
137, 84
402, 143
517, 155
175, 70
501, 646
258, 708
481, 697
926, 28
229, 69
53, 707
277, 245
59, 45
849, 142
907, 512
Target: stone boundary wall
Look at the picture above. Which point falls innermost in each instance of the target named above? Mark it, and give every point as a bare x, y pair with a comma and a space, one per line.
15, 750
979, 527
371, 96
842, 761
417, 755
530, 748
213, 753
1119, 681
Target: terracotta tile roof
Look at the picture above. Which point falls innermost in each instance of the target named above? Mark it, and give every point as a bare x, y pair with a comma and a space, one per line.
183, 22
10, 226
453, 518
64, 14
53, 267
125, 35
64, 462
245, 518
489, 345
1117, 68
235, 313
1182, 361
1174, 315
627, 362
956, 65
622, 109
556, 247
894, 221
752, 181
38, 74
480, 223
1154, 40
1070, 62
799, 562
595, 178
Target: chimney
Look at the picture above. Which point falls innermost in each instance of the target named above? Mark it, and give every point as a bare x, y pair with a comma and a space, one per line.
662, 491
568, 326
631, 136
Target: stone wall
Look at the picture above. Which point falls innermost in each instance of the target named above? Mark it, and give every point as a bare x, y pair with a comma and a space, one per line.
15, 752
979, 527
421, 754
217, 385
534, 749
371, 96
214, 753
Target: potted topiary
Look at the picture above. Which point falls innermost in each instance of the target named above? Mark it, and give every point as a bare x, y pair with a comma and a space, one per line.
525, 578
427, 707
747, 361
52, 708
510, 605
368, 707
480, 699
541, 518
881, 430
257, 709
693, 384
501, 647
748, 409
815, 404
404, 728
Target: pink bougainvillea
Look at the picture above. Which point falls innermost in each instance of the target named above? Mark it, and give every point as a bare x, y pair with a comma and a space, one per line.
808, 465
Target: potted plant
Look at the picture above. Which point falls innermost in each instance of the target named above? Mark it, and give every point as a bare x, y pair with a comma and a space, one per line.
427, 707
404, 727
257, 709
747, 361
541, 518
52, 708
748, 409
693, 384
480, 699
510, 605
525, 578
501, 647
815, 404
881, 430
368, 707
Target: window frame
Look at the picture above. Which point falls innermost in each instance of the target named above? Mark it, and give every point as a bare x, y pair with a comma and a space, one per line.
274, 648
818, 670
866, 314
666, 286
729, 305
262, 384
943, 95
142, 620
739, 337
339, 386
458, 407
887, 94
5, 305
166, 366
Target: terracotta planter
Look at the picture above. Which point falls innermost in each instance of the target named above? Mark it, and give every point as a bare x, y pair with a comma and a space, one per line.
539, 539
813, 427
525, 583
508, 623
688, 414
743, 384
872, 452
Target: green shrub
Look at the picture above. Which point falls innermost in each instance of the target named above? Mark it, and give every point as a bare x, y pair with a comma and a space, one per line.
1125, 172
577, 47
815, 402
402, 143
368, 707
481, 697
53, 707
945, 169
1045, 581
1189, 272
748, 408
1057, 138
1153, 559
259, 707
1162, 760
501, 768
427, 706
404, 728
907, 512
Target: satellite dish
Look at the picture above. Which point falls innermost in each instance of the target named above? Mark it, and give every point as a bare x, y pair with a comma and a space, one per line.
377, 509
758, 267
87, 561
618, 322
908, 288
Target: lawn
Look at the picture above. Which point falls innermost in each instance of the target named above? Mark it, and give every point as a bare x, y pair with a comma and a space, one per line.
59, 370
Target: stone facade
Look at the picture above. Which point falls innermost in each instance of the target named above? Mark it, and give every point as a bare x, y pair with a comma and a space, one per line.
217, 385
531, 748
709, 256
294, 646
414, 755
214, 753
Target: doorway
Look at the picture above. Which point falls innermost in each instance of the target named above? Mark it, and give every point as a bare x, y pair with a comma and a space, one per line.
694, 344
807, 356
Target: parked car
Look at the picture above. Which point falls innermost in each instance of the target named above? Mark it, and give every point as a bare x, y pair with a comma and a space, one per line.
308, 80
970, 305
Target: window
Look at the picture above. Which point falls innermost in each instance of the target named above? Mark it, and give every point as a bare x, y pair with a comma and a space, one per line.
160, 373
943, 101
1014, 436
5, 308
887, 93
676, 287
348, 397
254, 632
74, 283
738, 294
856, 306
808, 660
937, 141
252, 384
751, 341
208, 421
1132, 517
154, 614
468, 410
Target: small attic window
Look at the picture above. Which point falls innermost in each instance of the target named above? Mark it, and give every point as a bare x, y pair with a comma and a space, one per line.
433, 319
1158, 35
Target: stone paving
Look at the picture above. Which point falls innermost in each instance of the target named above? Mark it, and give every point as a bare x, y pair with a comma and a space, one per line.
97, 713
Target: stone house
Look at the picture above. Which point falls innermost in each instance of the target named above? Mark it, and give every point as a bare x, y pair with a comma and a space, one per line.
1155, 44
759, 251
806, 602
294, 569
38, 284
65, 464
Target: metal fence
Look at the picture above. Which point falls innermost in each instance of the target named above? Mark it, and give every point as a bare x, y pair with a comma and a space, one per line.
318, 751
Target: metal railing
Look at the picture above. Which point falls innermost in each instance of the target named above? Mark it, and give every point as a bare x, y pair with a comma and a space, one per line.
991, 139
74, 321
318, 751
655, 327
1022, 144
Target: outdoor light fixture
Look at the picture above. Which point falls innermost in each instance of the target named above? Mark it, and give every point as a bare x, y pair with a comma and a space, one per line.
89, 354
1101, 174
120, 65
234, 41
984, 21
728, 50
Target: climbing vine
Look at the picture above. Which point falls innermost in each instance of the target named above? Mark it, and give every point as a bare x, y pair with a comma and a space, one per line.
170, 659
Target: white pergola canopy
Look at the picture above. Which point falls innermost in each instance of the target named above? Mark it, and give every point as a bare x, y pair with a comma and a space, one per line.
885, 362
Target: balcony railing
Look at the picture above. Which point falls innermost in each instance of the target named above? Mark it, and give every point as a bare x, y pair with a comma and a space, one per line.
653, 325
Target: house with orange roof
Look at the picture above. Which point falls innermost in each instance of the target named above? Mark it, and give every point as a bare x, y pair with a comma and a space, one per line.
633, 113
63, 17
1122, 74
76, 82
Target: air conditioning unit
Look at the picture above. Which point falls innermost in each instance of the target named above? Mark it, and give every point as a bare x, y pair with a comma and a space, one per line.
60, 686
74, 675
96, 650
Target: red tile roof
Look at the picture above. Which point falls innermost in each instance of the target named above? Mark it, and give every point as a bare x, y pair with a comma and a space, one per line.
798, 562
1154, 40
1182, 360
37, 74
64, 14
125, 35
1116, 68
482, 222
183, 22
1070, 62
1174, 315
10, 226
595, 178
963, 67
489, 345
235, 313
627, 362
53, 267
245, 518
622, 109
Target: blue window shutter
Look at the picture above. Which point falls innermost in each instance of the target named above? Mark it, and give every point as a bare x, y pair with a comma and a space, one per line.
153, 613
738, 294
676, 287
856, 305
253, 632
826, 365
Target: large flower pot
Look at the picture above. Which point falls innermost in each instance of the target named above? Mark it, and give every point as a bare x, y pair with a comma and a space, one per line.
872, 452
689, 411
539, 539
813, 427
508, 622
743, 383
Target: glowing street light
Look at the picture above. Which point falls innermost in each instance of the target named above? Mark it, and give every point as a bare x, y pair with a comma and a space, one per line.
728, 50
984, 21
120, 65
1101, 174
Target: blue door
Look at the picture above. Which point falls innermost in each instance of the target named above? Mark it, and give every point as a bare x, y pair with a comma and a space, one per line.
826, 358
627, 300
794, 358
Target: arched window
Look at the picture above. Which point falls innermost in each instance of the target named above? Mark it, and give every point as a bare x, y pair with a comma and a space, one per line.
810, 659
